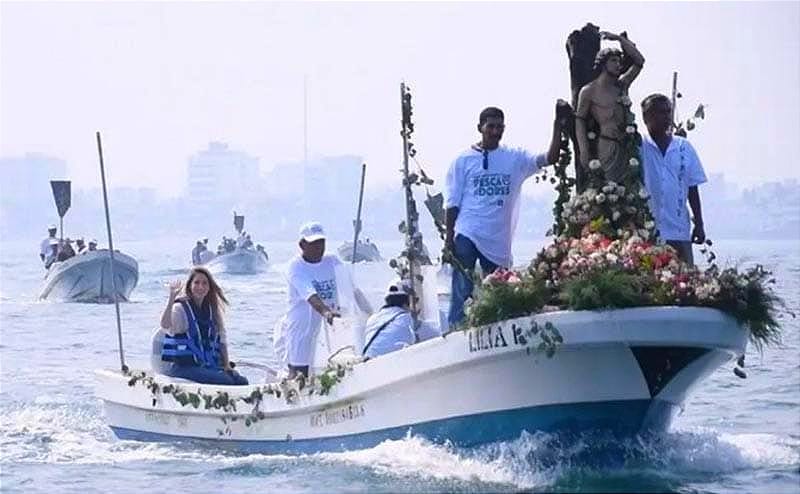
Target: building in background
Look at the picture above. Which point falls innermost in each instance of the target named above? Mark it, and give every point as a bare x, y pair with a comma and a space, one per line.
26, 200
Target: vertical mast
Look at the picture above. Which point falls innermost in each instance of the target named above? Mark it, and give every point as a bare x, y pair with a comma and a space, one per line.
411, 210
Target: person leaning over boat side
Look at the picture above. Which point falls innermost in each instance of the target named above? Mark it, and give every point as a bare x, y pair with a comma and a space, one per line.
482, 189
196, 250
313, 297
195, 341
92, 245
672, 172
45, 248
392, 327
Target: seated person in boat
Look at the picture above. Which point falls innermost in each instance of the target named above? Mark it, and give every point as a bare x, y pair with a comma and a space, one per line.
672, 173
65, 250
313, 297
194, 341
482, 191
45, 246
92, 245
81, 245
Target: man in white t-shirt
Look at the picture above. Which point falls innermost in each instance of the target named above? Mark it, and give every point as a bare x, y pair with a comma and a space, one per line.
313, 297
672, 171
45, 249
482, 191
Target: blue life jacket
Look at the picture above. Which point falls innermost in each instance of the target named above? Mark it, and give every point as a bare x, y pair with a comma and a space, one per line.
193, 347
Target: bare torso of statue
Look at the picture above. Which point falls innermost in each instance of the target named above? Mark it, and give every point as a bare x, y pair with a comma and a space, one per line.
604, 101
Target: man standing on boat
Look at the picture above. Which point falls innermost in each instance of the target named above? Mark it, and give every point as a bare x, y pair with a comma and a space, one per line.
45, 248
672, 172
313, 296
482, 191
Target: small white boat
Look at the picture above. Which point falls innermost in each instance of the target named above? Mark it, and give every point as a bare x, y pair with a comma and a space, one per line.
365, 252
626, 370
87, 278
240, 261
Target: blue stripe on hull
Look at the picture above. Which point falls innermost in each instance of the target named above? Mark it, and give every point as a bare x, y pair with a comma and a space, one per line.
624, 417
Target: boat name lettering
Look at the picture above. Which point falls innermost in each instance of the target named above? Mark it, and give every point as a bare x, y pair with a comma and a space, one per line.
158, 418
337, 415
494, 337
487, 338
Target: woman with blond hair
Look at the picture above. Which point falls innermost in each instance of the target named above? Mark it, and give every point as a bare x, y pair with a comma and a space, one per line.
194, 344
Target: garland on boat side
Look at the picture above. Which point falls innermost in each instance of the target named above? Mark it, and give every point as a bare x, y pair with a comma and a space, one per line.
605, 255
290, 390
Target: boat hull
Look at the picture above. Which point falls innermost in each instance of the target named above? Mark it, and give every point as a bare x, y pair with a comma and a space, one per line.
626, 371
87, 278
238, 262
364, 253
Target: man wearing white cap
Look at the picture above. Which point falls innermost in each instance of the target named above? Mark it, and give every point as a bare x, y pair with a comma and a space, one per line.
312, 298
44, 246
92, 245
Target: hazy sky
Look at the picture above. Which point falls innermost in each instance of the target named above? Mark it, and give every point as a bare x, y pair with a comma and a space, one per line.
160, 80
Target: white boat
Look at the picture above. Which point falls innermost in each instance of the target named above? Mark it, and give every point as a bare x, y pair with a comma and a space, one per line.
625, 370
240, 261
87, 278
365, 252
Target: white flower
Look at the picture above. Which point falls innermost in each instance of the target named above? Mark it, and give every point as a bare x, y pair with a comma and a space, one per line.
612, 198
615, 216
585, 206
643, 193
551, 252
630, 210
600, 198
630, 129
594, 164
619, 230
589, 192
645, 234
612, 257
649, 225
633, 162
591, 135
608, 189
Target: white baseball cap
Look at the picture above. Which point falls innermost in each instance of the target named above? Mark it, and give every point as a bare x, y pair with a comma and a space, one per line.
52, 227
399, 287
312, 231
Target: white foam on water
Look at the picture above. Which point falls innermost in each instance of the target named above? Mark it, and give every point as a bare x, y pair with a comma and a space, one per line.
416, 457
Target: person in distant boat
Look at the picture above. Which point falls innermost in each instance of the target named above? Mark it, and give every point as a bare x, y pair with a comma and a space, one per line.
392, 327
260, 249
672, 173
65, 250
80, 245
52, 253
482, 190
92, 245
198, 248
194, 340
312, 297
45, 245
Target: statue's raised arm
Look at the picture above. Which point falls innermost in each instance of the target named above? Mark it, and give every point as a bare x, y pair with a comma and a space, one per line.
600, 115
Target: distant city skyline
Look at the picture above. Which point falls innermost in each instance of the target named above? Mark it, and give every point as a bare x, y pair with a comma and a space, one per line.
161, 80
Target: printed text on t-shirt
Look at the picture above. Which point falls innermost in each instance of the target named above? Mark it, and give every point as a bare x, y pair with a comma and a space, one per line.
326, 289
491, 184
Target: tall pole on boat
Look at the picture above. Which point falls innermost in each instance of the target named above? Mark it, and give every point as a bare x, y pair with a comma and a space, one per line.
305, 120
357, 223
674, 98
411, 211
111, 251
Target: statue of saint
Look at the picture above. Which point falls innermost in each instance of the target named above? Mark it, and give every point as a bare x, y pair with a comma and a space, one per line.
604, 100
